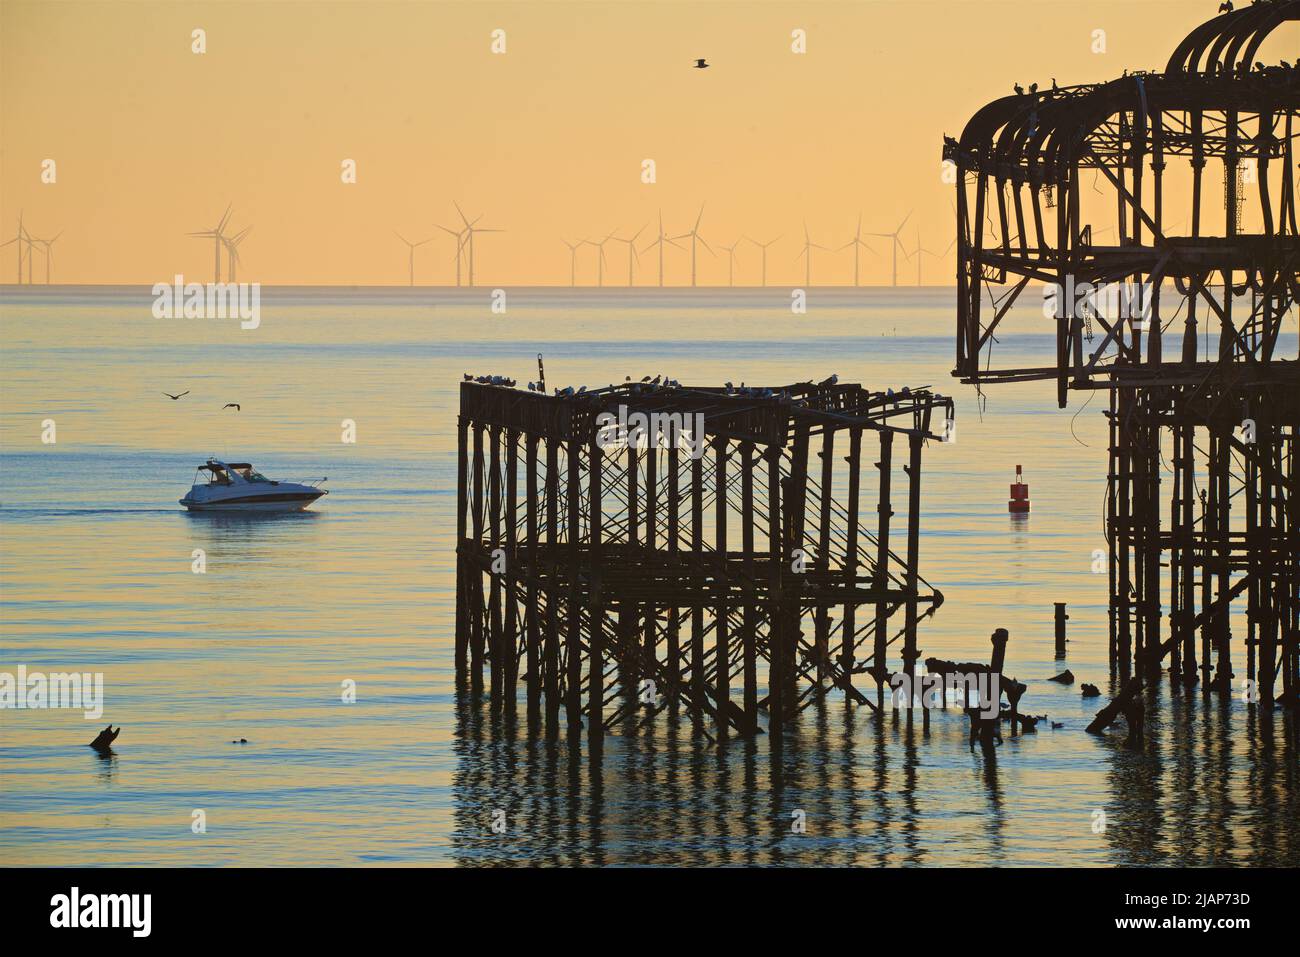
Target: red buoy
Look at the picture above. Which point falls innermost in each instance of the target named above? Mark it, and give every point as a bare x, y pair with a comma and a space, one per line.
1019, 494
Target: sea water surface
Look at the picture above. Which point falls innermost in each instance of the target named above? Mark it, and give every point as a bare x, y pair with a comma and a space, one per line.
97, 574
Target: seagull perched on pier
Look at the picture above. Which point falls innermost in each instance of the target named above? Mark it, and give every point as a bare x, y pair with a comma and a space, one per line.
175, 397
830, 380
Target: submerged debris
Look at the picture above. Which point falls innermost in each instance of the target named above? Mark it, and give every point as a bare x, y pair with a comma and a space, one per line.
104, 740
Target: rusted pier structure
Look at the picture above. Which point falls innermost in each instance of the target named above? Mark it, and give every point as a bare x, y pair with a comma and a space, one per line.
1181, 323
705, 551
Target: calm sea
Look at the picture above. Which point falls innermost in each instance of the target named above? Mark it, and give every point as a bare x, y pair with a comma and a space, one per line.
96, 572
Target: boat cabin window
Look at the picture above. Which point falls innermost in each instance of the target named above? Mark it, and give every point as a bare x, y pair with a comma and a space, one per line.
252, 475
219, 477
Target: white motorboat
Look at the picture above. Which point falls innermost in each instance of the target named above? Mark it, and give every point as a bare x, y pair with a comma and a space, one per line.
238, 487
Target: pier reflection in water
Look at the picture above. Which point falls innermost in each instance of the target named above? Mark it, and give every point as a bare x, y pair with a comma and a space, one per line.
1205, 789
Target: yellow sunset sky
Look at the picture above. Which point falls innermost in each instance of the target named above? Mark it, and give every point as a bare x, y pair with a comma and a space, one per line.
545, 141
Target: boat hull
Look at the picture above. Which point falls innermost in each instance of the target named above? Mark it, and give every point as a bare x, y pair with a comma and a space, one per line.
259, 503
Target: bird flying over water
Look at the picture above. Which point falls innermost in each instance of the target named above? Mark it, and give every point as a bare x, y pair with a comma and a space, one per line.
231, 405
175, 397
700, 64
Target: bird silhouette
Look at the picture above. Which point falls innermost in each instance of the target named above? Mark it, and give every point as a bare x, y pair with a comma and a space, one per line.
700, 64
175, 397
1225, 7
231, 405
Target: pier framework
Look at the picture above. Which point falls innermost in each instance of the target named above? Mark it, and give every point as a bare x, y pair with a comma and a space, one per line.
707, 551
1201, 507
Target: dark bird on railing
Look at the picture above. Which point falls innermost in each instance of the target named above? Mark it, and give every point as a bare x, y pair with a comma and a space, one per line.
1054, 86
1020, 90
175, 397
645, 378
830, 380
468, 377
700, 64
1226, 6
231, 405
1033, 88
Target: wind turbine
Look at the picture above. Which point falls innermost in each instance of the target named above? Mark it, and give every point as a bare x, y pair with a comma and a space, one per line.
470, 230
631, 250
731, 262
232, 251
897, 243
217, 235
23, 236
763, 247
694, 236
659, 241
922, 252
808, 247
48, 244
410, 261
573, 261
459, 234
857, 243
600, 257
18, 238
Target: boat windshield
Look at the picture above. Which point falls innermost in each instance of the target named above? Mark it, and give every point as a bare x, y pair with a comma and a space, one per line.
219, 476
251, 474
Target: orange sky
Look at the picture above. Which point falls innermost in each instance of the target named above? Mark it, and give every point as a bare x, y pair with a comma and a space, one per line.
546, 141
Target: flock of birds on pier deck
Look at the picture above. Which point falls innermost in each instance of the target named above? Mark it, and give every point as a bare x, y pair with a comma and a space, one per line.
655, 383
